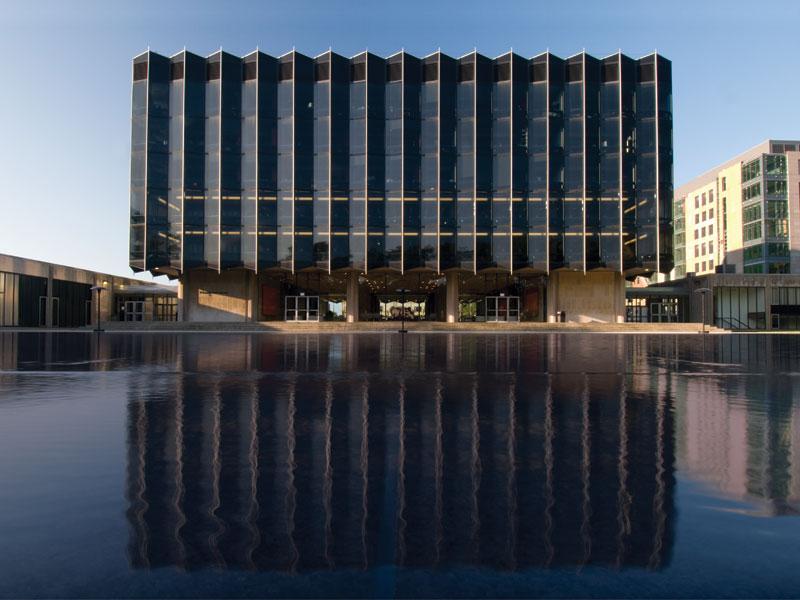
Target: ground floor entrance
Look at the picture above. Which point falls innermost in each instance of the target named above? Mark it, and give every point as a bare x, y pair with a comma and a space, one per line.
420, 295
491, 309
502, 309
133, 310
393, 307
302, 308
656, 305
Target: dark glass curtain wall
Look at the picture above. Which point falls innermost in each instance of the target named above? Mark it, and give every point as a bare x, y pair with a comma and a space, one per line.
295, 163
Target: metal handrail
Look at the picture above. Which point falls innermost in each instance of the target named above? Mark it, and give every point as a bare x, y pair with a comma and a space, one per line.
733, 322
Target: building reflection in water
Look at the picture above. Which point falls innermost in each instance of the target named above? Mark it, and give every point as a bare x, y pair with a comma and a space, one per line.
301, 452
748, 448
334, 453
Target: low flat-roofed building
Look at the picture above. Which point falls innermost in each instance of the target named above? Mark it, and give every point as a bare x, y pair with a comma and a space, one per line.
737, 301
35, 293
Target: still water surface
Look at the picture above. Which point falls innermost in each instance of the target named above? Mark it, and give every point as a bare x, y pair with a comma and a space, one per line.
152, 465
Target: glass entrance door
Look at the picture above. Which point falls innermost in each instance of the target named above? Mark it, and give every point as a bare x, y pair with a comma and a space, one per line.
302, 308
664, 312
42, 311
502, 309
134, 310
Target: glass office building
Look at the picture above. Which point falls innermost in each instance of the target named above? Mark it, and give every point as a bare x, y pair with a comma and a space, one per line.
347, 179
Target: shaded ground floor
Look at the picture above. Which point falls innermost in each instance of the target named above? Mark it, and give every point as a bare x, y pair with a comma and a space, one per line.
351, 296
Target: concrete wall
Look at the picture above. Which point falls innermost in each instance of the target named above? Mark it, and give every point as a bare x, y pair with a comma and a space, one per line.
597, 296
38, 268
230, 296
729, 242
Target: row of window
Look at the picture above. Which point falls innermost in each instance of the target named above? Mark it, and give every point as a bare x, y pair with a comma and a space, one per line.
753, 191
751, 213
776, 188
772, 268
777, 228
751, 231
777, 209
703, 231
700, 249
700, 267
701, 199
775, 164
751, 170
774, 250
705, 215
786, 295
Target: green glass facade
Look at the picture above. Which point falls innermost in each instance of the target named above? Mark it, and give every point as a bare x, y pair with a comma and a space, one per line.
765, 215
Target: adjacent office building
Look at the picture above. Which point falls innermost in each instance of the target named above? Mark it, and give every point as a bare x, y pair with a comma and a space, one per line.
743, 216
471, 188
737, 246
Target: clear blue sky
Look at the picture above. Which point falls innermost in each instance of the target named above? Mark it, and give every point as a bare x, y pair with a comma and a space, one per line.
65, 88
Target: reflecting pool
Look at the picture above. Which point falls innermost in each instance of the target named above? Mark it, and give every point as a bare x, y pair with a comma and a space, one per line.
379, 465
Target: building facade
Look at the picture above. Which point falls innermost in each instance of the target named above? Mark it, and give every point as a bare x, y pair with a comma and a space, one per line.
743, 216
35, 293
308, 188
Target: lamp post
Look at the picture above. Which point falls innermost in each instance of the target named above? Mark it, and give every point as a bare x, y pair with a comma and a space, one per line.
402, 292
98, 290
703, 291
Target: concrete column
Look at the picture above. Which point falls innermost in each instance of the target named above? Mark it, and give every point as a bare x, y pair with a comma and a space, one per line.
586, 297
620, 298
149, 309
252, 297
48, 309
352, 297
552, 297
181, 284
452, 294
768, 302
708, 298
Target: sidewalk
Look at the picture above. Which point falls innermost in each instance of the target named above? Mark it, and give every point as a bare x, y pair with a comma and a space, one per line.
411, 326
